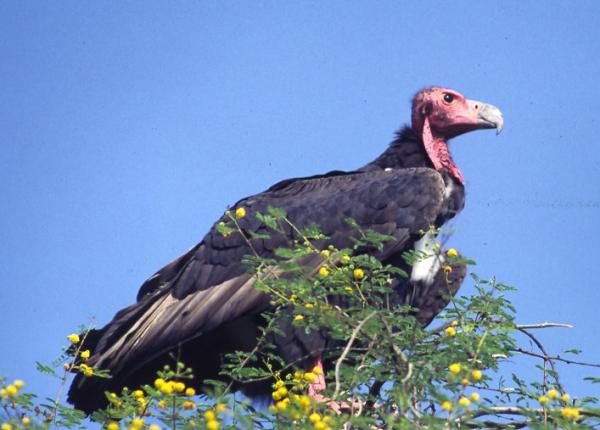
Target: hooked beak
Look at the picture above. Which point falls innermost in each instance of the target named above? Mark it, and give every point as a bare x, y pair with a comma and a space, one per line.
488, 116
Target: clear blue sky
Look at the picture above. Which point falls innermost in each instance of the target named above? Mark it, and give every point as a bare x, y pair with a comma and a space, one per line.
128, 127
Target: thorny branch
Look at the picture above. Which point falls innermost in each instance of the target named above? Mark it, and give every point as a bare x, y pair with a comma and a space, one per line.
340, 360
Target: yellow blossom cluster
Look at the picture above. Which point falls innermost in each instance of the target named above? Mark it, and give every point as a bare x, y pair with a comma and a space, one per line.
172, 387
13, 389
452, 253
86, 370
74, 338
570, 413
240, 212
567, 412
450, 331
212, 422
553, 394
291, 401
456, 369
136, 424
463, 402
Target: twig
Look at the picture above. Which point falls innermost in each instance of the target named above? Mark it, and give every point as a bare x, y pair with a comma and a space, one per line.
555, 357
339, 361
543, 325
546, 355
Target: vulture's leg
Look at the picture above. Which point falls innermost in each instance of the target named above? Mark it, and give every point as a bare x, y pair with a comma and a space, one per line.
319, 385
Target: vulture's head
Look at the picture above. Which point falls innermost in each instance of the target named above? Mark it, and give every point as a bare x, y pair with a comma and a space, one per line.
439, 114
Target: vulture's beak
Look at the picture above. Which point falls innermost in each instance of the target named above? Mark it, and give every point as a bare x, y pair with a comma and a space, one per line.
488, 116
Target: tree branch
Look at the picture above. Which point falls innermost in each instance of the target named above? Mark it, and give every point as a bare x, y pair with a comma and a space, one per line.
339, 361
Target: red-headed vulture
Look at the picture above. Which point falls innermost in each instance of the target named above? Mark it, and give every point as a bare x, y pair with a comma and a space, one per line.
203, 305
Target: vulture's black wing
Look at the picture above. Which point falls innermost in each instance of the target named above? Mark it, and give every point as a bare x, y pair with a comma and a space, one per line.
207, 290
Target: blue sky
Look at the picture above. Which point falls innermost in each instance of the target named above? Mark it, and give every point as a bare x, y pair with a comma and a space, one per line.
128, 127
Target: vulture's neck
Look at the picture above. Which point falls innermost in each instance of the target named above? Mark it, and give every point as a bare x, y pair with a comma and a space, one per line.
407, 150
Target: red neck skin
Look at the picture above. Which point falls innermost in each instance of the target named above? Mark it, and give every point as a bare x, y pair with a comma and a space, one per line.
437, 150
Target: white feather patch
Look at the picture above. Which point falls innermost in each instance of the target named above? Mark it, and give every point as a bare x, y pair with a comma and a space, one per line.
430, 262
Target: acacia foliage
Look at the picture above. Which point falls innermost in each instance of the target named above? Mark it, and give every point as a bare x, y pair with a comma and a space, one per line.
387, 371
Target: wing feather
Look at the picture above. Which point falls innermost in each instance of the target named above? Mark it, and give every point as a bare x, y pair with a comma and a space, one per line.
208, 286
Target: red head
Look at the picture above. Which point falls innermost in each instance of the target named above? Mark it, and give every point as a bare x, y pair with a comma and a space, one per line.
439, 114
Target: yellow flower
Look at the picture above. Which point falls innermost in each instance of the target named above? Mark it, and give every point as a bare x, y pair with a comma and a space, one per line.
138, 393
240, 212
166, 388
452, 253
282, 405
304, 401
345, 258
137, 423
325, 253
317, 370
320, 425
19, 383
323, 271
190, 392
11, 390
314, 418
154, 427
6, 426
553, 394
570, 413
282, 391
309, 306
309, 377
358, 273
221, 408
447, 405
162, 404
112, 426
565, 398
26, 421
86, 370
85, 354
213, 425
447, 268
451, 331
210, 415
454, 323
298, 318
464, 402
179, 386
348, 289
454, 368
188, 404
465, 382
73, 338
543, 400
476, 375
159, 382
474, 397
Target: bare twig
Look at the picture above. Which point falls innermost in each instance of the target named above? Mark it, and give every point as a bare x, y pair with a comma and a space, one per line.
556, 358
546, 355
543, 325
340, 360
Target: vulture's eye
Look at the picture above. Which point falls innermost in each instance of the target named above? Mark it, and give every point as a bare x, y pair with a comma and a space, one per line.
448, 98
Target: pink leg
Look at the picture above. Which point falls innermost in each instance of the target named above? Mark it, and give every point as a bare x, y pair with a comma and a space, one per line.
319, 385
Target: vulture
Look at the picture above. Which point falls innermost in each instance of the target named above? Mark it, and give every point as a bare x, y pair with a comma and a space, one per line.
203, 304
